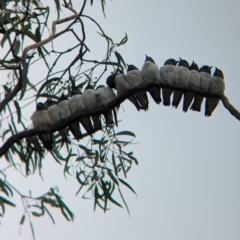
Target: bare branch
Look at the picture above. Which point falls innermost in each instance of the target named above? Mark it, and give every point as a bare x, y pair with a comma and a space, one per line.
116, 102
51, 37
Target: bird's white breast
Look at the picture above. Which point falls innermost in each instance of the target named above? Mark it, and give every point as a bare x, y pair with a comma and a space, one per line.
205, 80
183, 75
104, 96
121, 84
63, 109
134, 78
41, 119
150, 72
76, 103
194, 79
90, 99
169, 74
53, 113
217, 85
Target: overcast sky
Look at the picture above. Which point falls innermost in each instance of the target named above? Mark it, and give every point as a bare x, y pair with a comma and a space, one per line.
188, 178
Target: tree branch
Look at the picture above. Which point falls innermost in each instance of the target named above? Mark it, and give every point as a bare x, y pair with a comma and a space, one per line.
24, 71
75, 117
52, 36
13, 93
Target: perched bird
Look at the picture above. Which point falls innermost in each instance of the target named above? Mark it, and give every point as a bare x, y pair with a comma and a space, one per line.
150, 73
183, 79
134, 79
90, 101
217, 86
41, 119
193, 82
205, 81
168, 74
52, 107
118, 81
65, 112
105, 95
76, 105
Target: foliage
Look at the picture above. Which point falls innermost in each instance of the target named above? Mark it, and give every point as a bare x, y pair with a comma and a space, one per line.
29, 37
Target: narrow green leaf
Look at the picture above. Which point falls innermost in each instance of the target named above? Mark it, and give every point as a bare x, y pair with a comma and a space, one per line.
123, 168
23, 89
22, 219
58, 6
133, 158
78, 176
88, 151
32, 230
112, 176
5, 188
7, 201
50, 215
127, 185
114, 163
125, 203
7, 89
18, 111
95, 197
5, 133
16, 46
2, 18
101, 142
5, 37
38, 39
115, 202
103, 6
80, 158
96, 158
119, 58
124, 40
38, 34
2, 206
36, 214
126, 133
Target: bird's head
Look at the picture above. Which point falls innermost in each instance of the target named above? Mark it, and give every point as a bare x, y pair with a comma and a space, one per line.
218, 73
171, 61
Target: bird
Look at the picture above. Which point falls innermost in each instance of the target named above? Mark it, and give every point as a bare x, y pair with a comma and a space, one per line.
150, 73
168, 74
105, 95
217, 86
76, 105
183, 79
205, 80
193, 82
118, 81
134, 79
52, 107
41, 119
65, 112
90, 101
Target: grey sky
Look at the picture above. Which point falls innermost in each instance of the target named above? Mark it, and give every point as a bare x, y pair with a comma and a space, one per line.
187, 181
